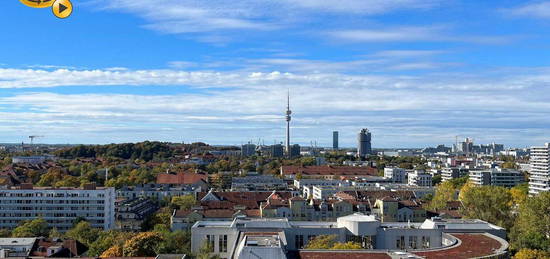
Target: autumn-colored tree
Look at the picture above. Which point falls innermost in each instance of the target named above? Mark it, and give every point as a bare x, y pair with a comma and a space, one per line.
113, 251
33, 228
142, 244
108, 239
532, 254
519, 193
445, 192
347, 246
321, 242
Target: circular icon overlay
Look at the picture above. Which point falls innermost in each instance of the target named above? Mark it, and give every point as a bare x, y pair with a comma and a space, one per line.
62, 8
37, 3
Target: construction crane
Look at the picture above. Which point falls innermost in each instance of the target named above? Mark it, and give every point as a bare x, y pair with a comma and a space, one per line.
33, 137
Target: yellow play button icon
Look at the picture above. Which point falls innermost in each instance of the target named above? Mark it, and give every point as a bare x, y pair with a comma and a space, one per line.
62, 8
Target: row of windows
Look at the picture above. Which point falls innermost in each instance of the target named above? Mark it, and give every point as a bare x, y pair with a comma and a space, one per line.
4, 215
49, 194
222, 243
52, 201
413, 242
50, 208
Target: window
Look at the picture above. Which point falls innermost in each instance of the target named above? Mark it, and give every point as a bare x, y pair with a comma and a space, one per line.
211, 241
299, 241
223, 244
400, 243
413, 242
425, 242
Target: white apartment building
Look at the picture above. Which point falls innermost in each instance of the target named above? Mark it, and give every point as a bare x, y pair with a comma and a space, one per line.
539, 180
496, 177
420, 178
398, 175
60, 207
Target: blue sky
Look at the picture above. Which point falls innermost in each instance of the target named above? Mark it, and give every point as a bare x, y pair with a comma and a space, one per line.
415, 72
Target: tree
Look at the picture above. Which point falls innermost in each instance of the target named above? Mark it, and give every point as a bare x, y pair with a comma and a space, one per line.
142, 244
83, 232
436, 180
54, 233
184, 202
532, 254
33, 228
322, 242
532, 227
205, 252
113, 251
519, 193
160, 217
347, 246
444, 193
107, 240
489, 203
5, 233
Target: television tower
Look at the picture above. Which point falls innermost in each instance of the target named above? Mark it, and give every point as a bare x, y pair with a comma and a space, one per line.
288, 118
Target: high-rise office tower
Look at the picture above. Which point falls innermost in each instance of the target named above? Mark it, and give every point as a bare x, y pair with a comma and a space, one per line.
364, 143
539, 180
335, 140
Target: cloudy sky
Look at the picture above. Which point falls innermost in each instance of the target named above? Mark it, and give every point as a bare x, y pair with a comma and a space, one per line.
415, 72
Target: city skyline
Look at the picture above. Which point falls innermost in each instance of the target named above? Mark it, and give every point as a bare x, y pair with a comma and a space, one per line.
416, 73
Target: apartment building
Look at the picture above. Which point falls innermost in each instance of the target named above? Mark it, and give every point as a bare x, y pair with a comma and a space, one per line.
496, 177
60, 207
420, 178
539, 180
398, 175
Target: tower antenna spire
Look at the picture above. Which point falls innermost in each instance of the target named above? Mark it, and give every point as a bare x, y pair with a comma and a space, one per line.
288, 118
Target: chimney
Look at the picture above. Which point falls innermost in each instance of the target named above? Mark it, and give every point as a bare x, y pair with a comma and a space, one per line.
89, 186
26, 186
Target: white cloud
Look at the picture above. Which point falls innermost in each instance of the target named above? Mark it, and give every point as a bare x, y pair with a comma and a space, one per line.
533, 10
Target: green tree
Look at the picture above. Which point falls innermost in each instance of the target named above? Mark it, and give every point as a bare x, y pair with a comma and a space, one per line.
532, 227
489, 203
161, 217
5, 233
54, 233
205, 252
31, 228
184, 202
84, 233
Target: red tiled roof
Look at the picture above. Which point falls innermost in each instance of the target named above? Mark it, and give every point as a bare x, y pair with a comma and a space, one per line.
473, 245
304, 254
181, 178
329, 170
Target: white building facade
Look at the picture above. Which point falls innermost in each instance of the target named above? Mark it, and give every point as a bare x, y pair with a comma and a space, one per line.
539, 180
420, 178
60, 207
398, 175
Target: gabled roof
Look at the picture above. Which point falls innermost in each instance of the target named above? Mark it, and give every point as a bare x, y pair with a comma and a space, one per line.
181, 178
